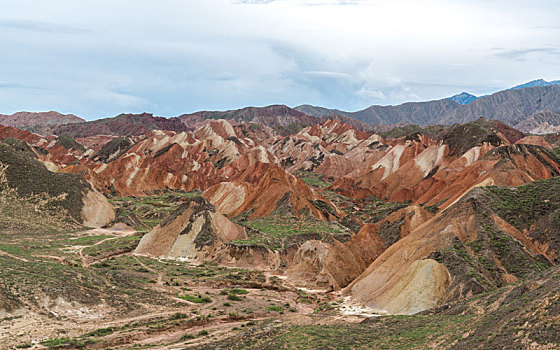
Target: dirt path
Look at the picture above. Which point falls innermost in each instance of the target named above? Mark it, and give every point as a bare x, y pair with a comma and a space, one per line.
3, 253
159, 282
98, 233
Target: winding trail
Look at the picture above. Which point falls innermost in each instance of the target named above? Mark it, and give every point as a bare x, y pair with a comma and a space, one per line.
3, 253
98, 232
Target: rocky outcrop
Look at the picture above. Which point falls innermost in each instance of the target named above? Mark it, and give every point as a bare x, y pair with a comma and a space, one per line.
534, 140
97, 211
325, 265
28, 176
276, 191
248, 256
336, 264
194, 231
422, 287
478, 249
113, 149
281, 118
438, 173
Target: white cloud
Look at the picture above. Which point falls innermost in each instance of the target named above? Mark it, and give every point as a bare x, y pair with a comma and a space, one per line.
99, 57
327, 74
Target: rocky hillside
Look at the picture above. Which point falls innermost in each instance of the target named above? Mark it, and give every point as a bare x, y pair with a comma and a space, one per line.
243, 229
25, 120
537, 82
510, 106
194, 230
464, 98
121, 125
66, 196
422, 113
43, 122
423, 170
281, 118
542, 122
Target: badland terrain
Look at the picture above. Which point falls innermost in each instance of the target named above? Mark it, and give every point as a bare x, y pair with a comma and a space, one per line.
424, 225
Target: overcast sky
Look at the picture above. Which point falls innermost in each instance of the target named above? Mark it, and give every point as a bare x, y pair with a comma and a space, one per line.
98, 58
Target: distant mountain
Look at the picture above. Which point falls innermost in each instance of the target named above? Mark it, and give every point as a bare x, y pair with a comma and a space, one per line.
282, 118
422, 113
464, 98
30, 120
317, 111
121, 125
510, 106
538, 82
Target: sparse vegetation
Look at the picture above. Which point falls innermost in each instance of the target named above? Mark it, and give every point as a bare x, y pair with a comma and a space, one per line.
314, 179
149, 211
196, 298
234, 297
522, 206
64, 342
31, 212
276, 308
101, 332
276, 232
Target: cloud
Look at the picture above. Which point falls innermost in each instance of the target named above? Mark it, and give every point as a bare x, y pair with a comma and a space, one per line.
38, 26
18, 86
338, 2
306, 2
372, 94
179, 56
523, 54
122, 99
252, 2
327, 74
546, 27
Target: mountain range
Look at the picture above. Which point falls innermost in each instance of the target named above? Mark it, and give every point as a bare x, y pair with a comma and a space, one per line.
145, 230
530, 107
511, 106
464, 98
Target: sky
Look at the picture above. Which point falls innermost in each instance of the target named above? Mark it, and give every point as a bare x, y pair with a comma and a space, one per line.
99, 58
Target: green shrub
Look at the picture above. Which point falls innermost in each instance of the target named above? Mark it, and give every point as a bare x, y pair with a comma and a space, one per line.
196, 299
187, 337
277, 308
234, 291
178, 316
234, 297
101, 332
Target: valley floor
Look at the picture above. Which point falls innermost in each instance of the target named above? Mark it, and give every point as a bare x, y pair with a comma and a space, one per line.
85, 290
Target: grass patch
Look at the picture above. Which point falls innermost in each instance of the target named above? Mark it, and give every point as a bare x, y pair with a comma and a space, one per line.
152, 209
101, 332
116, 245
67, 342
313, 179
234, 291
276, 232
276, 308
196, 298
